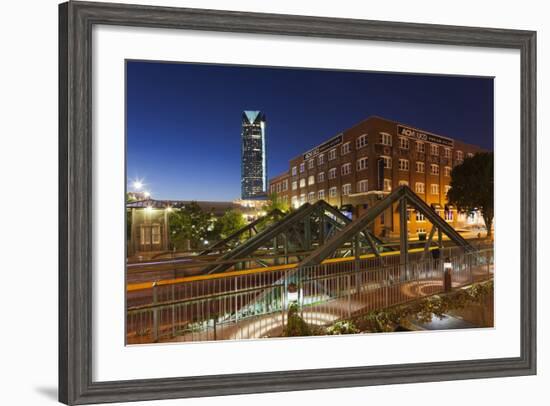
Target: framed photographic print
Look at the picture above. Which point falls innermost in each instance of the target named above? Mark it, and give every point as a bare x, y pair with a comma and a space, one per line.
257, 202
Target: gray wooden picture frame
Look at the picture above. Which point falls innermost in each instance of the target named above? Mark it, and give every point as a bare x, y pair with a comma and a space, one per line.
76, 20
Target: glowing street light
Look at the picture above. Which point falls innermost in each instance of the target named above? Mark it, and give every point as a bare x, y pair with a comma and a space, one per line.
292, 293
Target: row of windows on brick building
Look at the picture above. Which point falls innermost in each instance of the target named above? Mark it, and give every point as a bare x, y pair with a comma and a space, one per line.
362, 142
362, 164
362, 186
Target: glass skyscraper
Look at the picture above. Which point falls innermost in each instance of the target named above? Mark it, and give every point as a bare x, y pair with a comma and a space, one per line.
253, 156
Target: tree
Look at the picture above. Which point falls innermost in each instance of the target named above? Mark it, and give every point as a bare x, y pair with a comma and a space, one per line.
472, 187
230, 222
275, 202
189, 226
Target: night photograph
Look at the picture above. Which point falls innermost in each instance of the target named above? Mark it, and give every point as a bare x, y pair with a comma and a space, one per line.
282, 202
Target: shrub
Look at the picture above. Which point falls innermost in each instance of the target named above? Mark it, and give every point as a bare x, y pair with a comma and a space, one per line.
342, 327
386, 320
295, 326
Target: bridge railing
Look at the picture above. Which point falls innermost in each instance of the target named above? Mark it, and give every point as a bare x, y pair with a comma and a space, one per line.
255, 305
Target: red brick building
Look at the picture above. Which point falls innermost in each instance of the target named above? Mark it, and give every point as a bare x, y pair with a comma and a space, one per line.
361, 165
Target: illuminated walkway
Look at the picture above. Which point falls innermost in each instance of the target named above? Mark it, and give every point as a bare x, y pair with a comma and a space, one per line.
322, 314
256, 307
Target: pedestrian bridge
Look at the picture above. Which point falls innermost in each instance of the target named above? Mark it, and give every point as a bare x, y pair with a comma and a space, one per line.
339, 269
246, 304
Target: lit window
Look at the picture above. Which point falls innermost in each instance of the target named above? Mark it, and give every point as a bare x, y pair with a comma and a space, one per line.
420, 147
346, 189
294, 185
149, 234
447, 188
434, 169
321, 194
279, 186
294, 201
403, 143
363, 186
387, 162
420, 217
346, 148
346, 169
362, 164
449, 216
362, 141
387, 185
385, 139
144, 235
321, 159
469, 155
302, 167
403, 183
332, 154
434, 189
419, 187
434, 149
403, 164
459, 156
311, 180
311, 196
311, 164
332, 173
285, 185
447, 171
332, 191
155, 233
447, 152
302, 198
294, 171
303, 182
420, 167
321, 177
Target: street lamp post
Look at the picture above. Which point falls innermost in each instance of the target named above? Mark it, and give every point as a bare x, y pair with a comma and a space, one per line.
447, 280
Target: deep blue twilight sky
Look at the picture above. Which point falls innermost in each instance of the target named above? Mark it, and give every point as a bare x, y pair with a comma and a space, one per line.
184, 120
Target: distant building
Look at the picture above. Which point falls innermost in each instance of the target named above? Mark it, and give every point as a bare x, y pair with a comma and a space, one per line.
253, 156
358, 167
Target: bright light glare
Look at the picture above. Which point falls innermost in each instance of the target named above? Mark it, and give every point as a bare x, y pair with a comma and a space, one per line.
138, 184
146, 194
